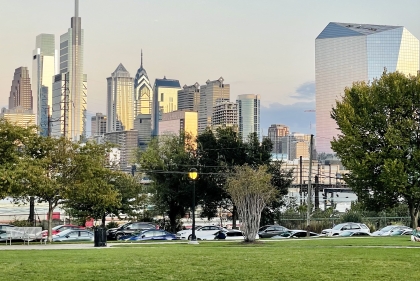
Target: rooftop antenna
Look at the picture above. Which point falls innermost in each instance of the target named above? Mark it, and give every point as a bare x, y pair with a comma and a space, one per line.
141, 62
76, 8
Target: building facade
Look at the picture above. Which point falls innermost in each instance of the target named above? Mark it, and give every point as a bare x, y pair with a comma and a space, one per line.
225, 114
70, 85
143, 93
181, 121
120, 101
143, 125
98, 125
20, 91
296, 145
249, 115
127, 144
43, 71
275, 133
346, 53
189, 97
209, 94
19, 116
165, 99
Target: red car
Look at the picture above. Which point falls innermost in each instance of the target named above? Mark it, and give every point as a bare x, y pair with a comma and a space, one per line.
60, 228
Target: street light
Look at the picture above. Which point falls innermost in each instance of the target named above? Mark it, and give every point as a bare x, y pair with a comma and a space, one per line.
193, 174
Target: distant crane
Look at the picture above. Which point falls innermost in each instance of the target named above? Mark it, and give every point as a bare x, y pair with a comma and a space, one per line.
310, 124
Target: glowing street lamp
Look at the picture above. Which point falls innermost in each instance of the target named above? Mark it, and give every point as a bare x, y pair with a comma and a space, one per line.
193, 174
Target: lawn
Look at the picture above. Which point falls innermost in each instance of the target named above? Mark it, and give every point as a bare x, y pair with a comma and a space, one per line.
390, 258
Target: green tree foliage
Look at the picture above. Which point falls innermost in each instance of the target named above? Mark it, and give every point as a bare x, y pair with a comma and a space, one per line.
380, 141
251, 190
13, 140
167, 161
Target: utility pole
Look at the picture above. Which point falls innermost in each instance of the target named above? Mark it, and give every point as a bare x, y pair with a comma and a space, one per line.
300, 173
308, 214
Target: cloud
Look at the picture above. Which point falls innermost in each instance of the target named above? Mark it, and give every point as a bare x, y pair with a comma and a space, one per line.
292, 115
306, 91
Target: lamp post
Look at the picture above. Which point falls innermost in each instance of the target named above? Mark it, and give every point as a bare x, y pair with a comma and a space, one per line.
193, 174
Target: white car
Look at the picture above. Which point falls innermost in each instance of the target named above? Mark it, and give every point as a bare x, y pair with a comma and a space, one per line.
200, 232
231, 234
390, 230
339, 228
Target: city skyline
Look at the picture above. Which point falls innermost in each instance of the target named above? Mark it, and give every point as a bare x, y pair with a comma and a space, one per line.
267, 49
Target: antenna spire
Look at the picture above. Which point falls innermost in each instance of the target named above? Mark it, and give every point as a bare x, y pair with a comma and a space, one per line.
141, 63
76, 8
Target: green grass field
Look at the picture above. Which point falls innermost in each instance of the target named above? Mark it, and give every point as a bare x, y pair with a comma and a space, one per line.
388, 258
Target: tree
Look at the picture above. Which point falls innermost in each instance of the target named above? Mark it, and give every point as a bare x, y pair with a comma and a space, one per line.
251, 190
167, 161
14, 139
380, 141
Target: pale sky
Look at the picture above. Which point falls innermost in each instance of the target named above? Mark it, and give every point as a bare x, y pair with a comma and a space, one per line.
264, 47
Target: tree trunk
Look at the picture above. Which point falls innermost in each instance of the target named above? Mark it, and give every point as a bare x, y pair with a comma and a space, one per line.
50, 215
103, 220
234, 212
414, 215
172, 221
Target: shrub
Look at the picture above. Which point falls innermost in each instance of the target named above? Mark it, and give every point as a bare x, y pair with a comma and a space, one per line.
112, 224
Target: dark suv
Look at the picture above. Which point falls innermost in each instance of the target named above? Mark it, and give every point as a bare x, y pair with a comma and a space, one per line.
129, 229
268, 231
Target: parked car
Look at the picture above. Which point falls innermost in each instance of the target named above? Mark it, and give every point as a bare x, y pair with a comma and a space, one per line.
337, 229
224, 234
355, 233
407, 231
59, 228
390, 229
71, 235
3, 226
269, 231
153, 234
296, 234
129, 229
200, 232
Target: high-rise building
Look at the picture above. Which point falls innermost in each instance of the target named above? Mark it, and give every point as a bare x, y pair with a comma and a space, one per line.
249, 115
225, 114
209, 94
143, 94
275, 133
43, 71
20, 92
348, 52
296, 145
120, 103
70, 86
143, 125
165, 99
177, 122
189, 97
127, 143
98, 125
19, 116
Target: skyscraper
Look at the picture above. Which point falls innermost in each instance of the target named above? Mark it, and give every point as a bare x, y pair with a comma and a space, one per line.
225, 114
70, 86
43, 70
120, 104
348, 52
189, 97
275, 133
165, 99
249, 115
143, 94
209, 94
20, 92
98, 125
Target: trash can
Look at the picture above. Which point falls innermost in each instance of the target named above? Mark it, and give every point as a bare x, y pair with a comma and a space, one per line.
100, 237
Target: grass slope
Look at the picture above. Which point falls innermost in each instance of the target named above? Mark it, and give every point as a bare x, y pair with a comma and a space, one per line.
393, 258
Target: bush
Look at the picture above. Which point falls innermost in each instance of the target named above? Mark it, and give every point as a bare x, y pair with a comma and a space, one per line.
22, 223
350, 216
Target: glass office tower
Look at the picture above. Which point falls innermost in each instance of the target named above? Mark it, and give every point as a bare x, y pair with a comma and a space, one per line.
43, 70
143, 94
348, 52
249, 115
120, 104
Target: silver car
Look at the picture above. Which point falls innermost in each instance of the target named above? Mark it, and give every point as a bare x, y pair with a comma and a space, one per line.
390, 230
73, 235
347, 226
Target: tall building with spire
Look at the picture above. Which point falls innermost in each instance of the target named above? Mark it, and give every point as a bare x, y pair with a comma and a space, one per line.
120, 101
20, 92
43, 71
70, 86
143, 93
